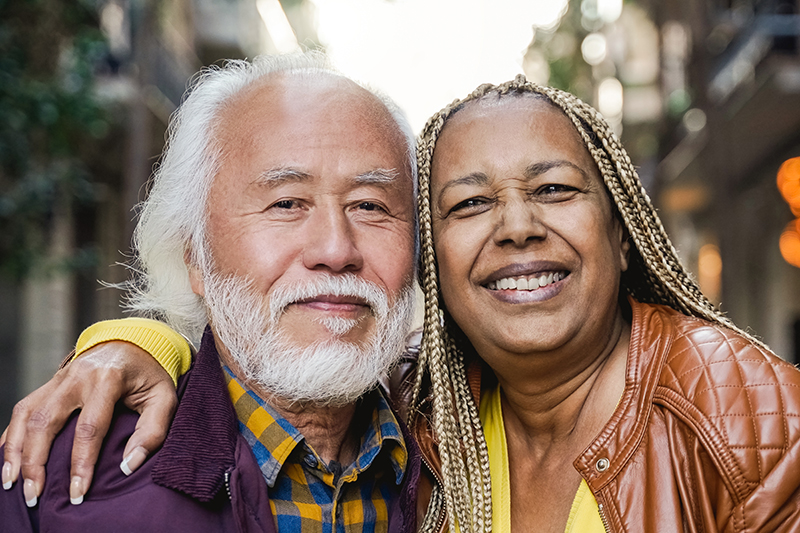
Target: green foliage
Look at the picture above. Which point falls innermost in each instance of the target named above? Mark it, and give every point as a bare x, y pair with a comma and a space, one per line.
49, 52
568, 70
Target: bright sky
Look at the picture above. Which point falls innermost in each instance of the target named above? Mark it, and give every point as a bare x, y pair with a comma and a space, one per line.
426, 53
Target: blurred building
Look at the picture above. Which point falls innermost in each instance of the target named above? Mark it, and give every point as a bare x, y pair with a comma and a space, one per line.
706, 97
730, 80
154, 47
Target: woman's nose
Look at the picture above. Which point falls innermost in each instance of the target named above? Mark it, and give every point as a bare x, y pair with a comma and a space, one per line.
518, 223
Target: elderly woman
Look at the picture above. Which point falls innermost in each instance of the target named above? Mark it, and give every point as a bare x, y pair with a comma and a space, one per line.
562, 336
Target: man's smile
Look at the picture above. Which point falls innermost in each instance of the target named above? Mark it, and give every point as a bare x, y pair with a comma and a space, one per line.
339, 305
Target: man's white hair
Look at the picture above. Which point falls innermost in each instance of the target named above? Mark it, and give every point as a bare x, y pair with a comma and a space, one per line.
171, 225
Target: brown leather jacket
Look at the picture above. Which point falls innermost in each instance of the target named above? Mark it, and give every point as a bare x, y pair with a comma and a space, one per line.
705, 438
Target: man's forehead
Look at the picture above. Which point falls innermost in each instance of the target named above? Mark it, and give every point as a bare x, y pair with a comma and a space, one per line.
308, 92
289, 102
310, 123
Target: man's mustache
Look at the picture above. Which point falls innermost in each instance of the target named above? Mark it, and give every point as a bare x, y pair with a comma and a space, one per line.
348, 288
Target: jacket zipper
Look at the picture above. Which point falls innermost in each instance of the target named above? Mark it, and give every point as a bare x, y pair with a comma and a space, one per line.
228, 485
442, 513
603, 518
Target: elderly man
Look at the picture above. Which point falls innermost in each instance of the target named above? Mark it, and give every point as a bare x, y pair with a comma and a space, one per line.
282, 215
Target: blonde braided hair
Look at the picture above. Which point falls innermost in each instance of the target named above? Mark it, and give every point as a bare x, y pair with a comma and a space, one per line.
655, 275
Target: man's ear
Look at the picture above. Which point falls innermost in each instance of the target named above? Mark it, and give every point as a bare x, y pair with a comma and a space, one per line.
195, 274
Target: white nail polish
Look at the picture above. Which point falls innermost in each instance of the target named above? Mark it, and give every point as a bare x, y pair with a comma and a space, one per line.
124, 466
7, 483
76, 491
29, 491
133, 461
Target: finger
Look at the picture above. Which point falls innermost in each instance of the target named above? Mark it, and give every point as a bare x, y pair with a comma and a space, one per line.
6, 470
31, 493
90, 430
157, 412
41, 429
14, 435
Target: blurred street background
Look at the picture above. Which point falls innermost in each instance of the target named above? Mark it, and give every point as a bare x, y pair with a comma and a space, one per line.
704, 93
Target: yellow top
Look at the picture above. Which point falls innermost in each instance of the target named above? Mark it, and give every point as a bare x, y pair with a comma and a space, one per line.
584, 517
169, 348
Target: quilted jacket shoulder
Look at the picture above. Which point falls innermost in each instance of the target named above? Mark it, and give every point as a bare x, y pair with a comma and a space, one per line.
706, 435
742, 400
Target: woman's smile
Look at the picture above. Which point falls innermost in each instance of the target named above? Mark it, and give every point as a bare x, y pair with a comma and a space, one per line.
525, 289
529, 282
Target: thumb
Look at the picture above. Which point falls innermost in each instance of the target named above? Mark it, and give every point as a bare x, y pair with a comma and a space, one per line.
157, 412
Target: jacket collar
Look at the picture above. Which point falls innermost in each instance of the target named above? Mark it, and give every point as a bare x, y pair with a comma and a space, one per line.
651, 336
201, 444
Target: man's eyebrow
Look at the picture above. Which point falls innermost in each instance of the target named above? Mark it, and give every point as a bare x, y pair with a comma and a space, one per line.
278, 176
541, 167
378, 176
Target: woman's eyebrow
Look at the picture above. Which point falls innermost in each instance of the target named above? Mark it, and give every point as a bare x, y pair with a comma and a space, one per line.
532, 171
541, 167
476, 178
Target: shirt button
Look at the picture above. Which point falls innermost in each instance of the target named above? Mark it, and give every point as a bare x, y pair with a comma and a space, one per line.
602, 464
310, 460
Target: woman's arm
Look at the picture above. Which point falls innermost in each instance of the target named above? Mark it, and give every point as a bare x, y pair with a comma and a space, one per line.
115, 363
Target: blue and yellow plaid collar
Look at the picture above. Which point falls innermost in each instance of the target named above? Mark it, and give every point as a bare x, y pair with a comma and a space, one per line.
273, 438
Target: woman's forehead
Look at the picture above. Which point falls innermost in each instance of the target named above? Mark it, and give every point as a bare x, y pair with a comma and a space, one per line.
493, 105
526, 122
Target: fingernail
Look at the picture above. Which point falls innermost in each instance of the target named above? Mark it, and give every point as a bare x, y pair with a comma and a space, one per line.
133, 461
76, 491
7, 476
29, 489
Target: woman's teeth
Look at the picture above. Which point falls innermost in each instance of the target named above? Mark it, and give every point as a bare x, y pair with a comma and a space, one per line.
526, 283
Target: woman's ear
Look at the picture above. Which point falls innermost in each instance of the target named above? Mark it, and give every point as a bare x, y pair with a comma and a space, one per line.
195, 273
624, 246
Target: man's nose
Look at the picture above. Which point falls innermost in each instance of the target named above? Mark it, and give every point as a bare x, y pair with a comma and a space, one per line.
331, 242
518, 223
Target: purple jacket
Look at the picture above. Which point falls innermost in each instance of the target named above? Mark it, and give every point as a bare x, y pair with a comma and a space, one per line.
204, 479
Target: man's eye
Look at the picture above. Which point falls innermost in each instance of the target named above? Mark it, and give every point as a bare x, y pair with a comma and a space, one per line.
370, 206
285, 204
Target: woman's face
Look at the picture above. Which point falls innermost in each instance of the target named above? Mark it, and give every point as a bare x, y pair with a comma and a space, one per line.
529, 251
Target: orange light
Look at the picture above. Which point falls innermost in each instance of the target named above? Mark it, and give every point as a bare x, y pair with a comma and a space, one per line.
709, 271
789, 183
790, 243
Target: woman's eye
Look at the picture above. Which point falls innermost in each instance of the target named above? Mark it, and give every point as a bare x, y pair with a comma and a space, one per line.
470, 205
555, 191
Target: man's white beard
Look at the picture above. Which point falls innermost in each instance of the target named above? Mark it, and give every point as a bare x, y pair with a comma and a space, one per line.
331, 372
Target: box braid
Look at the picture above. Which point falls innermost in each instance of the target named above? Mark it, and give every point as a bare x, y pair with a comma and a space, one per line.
655, 275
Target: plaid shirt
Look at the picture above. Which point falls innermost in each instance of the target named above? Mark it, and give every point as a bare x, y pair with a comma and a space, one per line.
305, 493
